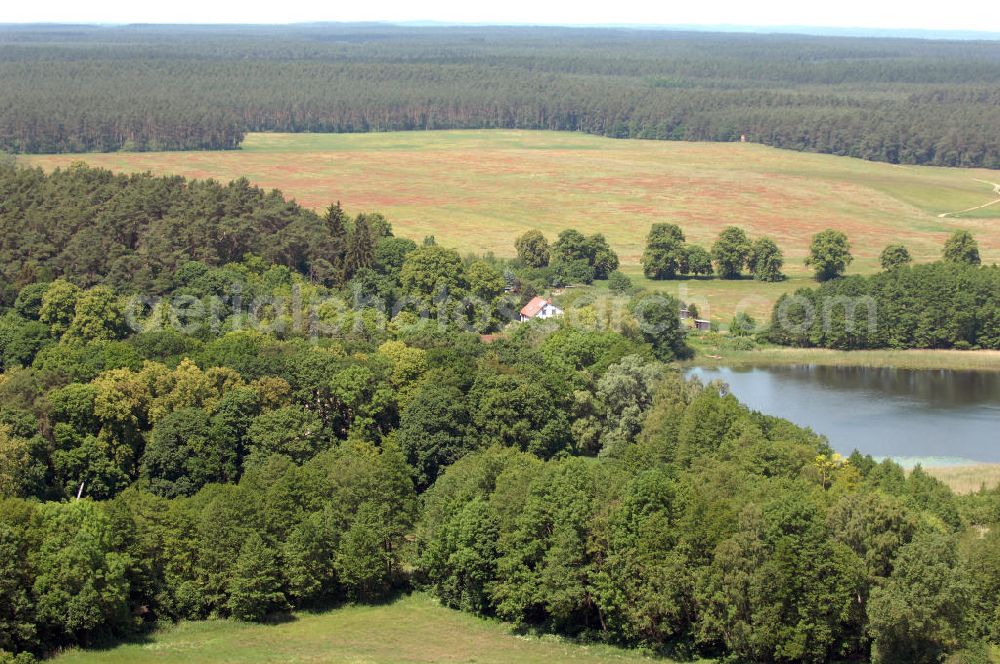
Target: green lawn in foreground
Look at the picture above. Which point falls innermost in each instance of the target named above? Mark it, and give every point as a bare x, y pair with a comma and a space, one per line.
477, 190
411, 629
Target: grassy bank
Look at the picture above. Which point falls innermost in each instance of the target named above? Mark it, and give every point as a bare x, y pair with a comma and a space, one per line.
411, 629
713, 350
968, 478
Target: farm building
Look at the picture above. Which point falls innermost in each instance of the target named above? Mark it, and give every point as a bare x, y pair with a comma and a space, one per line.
539, 307
702, 324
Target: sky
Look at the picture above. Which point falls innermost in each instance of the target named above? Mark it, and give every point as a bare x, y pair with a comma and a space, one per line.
978, 15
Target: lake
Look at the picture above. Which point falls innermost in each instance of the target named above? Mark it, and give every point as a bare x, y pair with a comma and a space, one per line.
932, 417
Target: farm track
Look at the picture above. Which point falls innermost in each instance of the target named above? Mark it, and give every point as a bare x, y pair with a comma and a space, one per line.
996, 190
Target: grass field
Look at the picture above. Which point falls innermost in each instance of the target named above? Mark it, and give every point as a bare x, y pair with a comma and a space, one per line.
967, 478
411, 629
477, 190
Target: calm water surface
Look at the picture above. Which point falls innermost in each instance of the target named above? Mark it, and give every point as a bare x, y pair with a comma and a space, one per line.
910, 415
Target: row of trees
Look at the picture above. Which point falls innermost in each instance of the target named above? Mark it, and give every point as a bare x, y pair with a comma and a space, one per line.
949, 304
830, 253
667, 255
902, 101
961, 248
935, 305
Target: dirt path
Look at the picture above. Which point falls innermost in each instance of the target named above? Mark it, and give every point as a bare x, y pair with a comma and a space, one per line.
996, 190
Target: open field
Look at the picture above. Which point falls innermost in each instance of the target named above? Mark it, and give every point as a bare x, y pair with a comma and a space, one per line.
477, 190
411, 629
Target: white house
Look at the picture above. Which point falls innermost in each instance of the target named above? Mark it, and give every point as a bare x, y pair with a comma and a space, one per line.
539, 308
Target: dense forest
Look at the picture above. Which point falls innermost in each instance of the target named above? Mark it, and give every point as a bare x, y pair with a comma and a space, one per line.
216, 453
947, 304
78, 89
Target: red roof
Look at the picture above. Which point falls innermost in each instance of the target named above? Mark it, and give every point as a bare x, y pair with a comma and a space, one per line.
531, 309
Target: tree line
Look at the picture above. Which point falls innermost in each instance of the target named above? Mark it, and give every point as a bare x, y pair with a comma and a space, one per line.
668, 255
152, 88
947, 304
134, 232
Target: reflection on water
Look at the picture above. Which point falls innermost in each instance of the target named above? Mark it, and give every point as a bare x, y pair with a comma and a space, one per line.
879, 411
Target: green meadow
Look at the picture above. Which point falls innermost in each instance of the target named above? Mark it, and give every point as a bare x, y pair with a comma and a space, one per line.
411, 629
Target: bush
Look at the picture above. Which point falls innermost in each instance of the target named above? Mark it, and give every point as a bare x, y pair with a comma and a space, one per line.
742, 325
618, 283
977, 653
577, 271
743, 343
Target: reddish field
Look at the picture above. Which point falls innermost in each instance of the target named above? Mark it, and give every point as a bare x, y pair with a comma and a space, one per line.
477, 190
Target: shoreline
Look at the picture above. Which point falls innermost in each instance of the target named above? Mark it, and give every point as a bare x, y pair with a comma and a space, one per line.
708, 355
962, 478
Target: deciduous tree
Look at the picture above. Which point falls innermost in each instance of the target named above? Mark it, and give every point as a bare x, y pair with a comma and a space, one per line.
829, 254
730, 252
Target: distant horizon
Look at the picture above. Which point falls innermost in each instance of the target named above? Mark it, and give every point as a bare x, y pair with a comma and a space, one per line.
972, 17
734, 28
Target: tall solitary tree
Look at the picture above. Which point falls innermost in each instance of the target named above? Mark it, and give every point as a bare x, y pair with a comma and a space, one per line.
829, 254
334, 248
895, 256
961, 247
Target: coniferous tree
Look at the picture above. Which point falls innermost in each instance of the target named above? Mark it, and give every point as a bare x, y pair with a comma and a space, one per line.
255, 582
360, 247
334, 250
